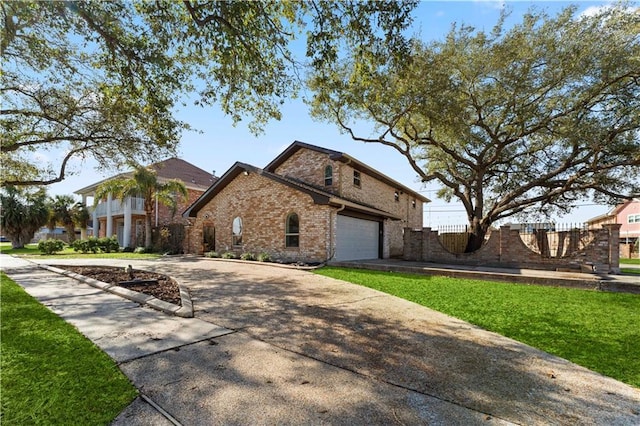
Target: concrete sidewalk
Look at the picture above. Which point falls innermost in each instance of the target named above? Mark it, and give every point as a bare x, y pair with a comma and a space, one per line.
274, 346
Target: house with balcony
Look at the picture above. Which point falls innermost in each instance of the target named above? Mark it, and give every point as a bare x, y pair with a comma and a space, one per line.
125, 220
627, 215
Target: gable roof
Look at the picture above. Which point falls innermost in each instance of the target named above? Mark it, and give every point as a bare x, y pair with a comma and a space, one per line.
173, 168
615, 211
177, 168
318, 195
344, 158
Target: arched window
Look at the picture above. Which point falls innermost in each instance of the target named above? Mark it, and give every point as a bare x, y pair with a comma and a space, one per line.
328, 175
292, 231
236, 231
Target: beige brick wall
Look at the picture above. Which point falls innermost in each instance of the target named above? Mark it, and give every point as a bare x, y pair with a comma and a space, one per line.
263, 206
165, 215
505, 248
308, 165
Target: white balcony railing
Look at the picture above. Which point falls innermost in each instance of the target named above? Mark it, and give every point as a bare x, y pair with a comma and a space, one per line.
117, 208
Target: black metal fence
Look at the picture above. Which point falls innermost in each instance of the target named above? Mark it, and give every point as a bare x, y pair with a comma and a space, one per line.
556, 240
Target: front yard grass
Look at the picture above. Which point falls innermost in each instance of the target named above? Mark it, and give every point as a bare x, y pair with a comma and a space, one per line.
68, 253
598, 330
52, 374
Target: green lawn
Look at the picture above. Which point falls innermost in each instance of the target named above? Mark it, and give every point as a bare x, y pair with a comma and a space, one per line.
598, 330
68, 252
51, 374
630, 261
634, 271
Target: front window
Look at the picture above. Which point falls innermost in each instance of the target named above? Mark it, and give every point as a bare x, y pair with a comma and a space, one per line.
236, 230
292, 231
634, 218
328, 176
356, 178
396, 196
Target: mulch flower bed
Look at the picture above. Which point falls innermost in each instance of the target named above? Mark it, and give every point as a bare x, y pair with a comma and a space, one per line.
165, 289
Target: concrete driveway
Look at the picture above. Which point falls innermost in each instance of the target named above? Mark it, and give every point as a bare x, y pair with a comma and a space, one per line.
304, 349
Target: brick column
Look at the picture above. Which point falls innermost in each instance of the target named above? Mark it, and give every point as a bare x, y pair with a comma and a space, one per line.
505, 253
427, 248
614, 246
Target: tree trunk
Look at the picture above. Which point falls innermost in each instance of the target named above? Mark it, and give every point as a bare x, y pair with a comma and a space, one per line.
477, 232
71, 233
147, 231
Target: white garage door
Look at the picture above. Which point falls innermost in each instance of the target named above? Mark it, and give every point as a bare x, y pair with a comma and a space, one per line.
357, 239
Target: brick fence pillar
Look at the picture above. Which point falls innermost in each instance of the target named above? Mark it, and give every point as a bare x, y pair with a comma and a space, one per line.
427, 249
614, 246
505, 252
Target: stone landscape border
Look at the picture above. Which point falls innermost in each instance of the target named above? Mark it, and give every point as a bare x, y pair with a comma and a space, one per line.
184, 311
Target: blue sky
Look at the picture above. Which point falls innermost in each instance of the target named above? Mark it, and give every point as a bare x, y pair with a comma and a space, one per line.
220, 144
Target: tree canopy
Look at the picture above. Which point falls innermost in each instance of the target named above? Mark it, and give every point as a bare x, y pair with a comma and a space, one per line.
103, 79
527, 120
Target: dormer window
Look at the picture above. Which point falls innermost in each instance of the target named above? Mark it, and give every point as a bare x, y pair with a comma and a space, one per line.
328, 176
356, 178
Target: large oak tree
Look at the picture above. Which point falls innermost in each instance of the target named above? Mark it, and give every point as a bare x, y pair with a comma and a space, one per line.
102, 79
526, 120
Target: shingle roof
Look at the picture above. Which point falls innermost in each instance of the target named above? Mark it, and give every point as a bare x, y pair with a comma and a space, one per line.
176, 168
172, 168
318, 195
345, 158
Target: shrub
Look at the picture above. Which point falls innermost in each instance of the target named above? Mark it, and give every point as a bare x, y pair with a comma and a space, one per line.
248, 256
91, 244
228, 255
109, 244
212, 254
50, 246
264, 257
127, 250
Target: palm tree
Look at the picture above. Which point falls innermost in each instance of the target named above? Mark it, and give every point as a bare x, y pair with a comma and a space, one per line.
80, 215
22, 214
143, 183
61, 213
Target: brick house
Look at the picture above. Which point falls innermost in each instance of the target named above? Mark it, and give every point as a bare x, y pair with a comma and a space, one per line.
126, 220
309, 204
627, 215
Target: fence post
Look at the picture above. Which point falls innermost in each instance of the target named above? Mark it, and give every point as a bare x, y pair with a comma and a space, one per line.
428, 234
614, 246
504, 255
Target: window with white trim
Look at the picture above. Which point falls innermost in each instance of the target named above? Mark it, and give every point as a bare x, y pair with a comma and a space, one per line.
236, 231
634, 218
356, 179
328, 175
292, 231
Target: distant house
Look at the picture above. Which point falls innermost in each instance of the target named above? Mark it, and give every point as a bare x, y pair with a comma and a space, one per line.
126, 220
309, 204
627, 215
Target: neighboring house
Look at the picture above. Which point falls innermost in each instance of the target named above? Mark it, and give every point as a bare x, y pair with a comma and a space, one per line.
627, 215
126, 220
309, 204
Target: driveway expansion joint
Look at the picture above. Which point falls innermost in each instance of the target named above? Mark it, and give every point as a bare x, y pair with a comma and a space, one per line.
176, 347
370, 377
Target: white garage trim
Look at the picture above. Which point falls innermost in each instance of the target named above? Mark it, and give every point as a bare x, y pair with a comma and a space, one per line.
357, 239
